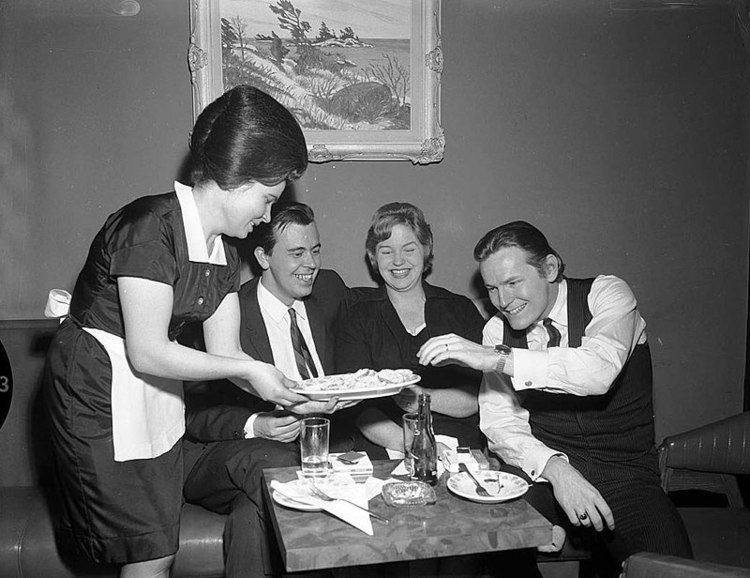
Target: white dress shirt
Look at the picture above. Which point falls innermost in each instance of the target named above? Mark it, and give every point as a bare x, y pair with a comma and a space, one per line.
615, 329
278, 327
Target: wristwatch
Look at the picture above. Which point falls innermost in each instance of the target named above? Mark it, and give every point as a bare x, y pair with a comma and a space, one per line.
503, 352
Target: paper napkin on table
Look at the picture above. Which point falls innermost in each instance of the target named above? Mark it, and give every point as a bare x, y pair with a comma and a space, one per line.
400, 469
296, 493
357, 493
450, 442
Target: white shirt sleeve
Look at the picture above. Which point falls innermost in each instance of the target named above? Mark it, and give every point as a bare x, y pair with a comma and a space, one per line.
506, 423
249, 432
608, 341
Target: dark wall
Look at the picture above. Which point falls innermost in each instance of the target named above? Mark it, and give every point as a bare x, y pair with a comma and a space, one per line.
620, 134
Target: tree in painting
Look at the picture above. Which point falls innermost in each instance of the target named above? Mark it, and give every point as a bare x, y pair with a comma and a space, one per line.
330, 82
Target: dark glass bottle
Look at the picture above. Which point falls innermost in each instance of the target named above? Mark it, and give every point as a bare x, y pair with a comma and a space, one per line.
424, 446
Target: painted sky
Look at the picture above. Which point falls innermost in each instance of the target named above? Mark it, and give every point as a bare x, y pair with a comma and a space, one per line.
368, 18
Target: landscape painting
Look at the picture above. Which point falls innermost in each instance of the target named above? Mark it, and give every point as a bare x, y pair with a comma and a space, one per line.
362, 78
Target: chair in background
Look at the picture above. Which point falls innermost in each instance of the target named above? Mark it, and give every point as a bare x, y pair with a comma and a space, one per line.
710, 458
648, 565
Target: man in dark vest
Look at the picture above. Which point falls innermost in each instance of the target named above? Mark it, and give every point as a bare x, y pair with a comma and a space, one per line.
566, 395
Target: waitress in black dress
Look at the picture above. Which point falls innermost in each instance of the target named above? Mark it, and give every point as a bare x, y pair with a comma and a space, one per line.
113, 378
386, 329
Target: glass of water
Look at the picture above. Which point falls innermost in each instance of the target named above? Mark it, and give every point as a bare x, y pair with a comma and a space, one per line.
313, 443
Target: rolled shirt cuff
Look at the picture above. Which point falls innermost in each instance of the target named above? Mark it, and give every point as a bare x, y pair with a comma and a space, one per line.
249, 424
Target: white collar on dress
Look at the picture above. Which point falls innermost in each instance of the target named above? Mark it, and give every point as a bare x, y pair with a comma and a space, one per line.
196, 243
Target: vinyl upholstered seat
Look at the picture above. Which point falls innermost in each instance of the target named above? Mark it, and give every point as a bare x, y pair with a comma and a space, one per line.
709, 459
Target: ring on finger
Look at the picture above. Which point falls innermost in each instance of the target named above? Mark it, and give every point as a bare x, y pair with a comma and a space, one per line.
583, 517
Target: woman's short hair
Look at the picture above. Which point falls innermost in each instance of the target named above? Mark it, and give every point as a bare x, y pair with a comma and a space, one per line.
524, 236
246, 136
392, 214
282, 215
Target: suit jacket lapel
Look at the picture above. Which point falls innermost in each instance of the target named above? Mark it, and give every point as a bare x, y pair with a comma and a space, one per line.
254, 336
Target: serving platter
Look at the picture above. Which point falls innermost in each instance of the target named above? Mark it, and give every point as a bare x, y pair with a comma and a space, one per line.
364, 384
361, 393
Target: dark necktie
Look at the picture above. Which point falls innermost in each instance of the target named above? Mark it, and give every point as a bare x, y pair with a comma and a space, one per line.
554, 334
305, 363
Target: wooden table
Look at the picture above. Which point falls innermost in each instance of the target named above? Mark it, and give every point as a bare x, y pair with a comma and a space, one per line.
453, 526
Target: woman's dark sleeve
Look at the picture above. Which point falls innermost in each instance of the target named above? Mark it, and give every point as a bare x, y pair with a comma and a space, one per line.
141, 246
469, 324
352, 342
473, 322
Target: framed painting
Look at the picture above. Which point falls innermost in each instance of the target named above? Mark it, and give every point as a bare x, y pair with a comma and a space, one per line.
362, 78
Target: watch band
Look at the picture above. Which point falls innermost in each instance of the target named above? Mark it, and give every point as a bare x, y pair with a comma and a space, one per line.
503, 352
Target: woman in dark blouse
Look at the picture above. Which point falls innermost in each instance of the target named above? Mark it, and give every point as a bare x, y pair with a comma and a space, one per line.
113, 375
387, 328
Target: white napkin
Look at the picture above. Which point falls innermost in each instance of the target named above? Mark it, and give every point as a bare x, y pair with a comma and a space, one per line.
357, 493
295, 493
394, 454
58, 304
449, 441
400, 470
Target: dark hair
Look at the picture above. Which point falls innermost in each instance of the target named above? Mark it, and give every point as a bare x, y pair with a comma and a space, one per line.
246, 136
392, 214
282, 215
524, 236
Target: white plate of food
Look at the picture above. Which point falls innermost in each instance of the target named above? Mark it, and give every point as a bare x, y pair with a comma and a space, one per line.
502, 486
362, 384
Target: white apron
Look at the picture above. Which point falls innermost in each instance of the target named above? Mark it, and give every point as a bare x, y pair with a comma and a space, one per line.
148, 412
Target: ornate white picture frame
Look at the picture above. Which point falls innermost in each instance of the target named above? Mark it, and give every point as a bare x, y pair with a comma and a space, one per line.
364, 84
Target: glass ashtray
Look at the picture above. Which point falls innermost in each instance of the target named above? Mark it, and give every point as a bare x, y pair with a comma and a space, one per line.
408, 494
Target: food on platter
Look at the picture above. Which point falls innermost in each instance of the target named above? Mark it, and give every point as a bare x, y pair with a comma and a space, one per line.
361, 379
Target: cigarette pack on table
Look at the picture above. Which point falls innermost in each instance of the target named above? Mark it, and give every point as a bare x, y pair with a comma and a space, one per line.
356, 464
474, 459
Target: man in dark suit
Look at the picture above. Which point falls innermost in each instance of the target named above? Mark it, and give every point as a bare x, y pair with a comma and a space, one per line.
288, 318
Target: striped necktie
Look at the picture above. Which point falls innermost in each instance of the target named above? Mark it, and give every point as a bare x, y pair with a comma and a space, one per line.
554, 334
305, 363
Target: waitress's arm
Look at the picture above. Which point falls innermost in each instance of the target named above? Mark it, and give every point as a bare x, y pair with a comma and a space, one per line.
380, 429
458, 402
147, 309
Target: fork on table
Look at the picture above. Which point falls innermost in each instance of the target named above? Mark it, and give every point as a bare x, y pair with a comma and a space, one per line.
318, 493
480, 488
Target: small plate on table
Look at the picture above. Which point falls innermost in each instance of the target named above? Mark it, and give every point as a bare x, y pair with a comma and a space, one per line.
295, 487
510, 486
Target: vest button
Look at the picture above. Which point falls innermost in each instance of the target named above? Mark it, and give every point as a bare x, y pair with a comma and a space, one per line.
200, 300
528, 384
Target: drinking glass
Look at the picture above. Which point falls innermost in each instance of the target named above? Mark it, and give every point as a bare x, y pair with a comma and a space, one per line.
313, 443
411, 421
